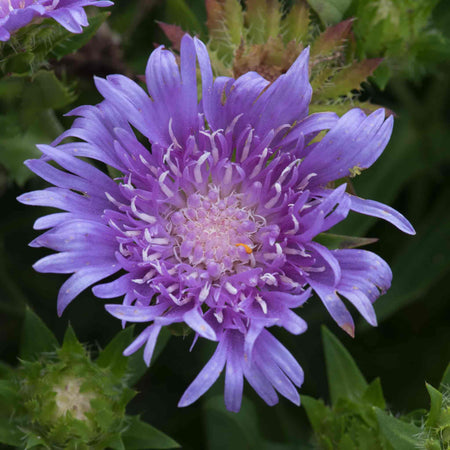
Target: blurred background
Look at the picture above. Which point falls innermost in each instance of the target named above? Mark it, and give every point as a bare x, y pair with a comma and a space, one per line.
411, 343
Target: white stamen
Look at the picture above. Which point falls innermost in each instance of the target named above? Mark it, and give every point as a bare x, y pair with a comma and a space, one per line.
143, 216
113, 200
228, 175
197, 170
258, 166
230, 288
246, 148
204, 292
219, 316
172, 135
233, 123
269, 279
305, 181
262, 303
163, 186
296, 226
275, 198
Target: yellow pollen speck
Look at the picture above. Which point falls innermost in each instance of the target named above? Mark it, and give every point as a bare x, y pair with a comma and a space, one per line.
248, 249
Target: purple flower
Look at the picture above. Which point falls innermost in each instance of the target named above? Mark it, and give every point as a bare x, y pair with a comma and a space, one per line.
213, 226
15, 14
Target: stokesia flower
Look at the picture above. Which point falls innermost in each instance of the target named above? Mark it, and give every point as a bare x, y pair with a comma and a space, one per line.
213, 225
15, 14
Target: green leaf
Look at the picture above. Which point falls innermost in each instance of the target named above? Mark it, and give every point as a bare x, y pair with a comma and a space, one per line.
435, 407
178, 12
36, 337
330, 11
412, 278
9, 434
334, 241
445, 382
316, 411
73, 42
401, 435
227, 430
141, 435
374, 394
112, 355
344, 377
8, 392
45, 91
71, 345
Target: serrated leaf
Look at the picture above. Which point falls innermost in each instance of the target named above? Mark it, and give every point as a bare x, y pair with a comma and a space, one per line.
71, 344
263, 20
36, 337
226, 430
435, 406
112, 355
72, 42
296, 23
334, 241
348, 79
9, 434
445, 382
330, 11
401, 435
332, 39
141, 435
374, 394
316, 411
344, 377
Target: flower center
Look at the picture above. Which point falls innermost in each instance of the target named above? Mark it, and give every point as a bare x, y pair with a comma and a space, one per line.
215, 233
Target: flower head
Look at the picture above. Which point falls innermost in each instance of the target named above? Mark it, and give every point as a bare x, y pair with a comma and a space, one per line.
214, 225
15, 14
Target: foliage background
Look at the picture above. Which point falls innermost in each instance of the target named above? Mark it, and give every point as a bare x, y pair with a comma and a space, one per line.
411, 343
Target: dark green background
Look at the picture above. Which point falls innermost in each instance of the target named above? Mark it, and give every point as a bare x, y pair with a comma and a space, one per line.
411, 343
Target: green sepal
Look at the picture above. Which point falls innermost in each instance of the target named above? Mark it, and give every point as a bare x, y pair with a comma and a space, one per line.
374, 395
401, 435
435, 406
334, 241
445, 382
33, 441
36, 337
316, 411
344, 377
71, 345
141, 435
